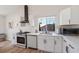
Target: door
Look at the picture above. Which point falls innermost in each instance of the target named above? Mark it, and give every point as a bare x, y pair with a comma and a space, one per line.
21, 40
31, 41
65, 16
49, 44
58, 44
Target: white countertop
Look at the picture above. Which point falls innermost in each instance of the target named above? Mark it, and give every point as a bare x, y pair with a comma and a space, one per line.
33, 33
53, 34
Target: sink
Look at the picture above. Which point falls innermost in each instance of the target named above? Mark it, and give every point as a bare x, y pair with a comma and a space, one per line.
48, 34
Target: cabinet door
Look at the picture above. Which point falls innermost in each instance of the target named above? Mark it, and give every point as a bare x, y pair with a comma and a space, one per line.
58, 44
41, 40
75, 15
31, 41
71, 49
65, 48
65, 16
49, 44
68, 48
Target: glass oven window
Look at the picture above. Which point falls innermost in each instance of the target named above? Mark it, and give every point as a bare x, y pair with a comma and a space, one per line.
21, 40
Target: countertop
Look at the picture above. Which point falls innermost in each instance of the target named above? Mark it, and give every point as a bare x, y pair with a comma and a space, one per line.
53, 34
33, 33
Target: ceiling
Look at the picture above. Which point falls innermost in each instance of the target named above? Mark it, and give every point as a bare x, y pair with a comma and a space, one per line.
34, 9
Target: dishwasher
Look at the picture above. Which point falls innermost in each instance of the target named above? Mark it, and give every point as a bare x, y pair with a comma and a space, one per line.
32, 41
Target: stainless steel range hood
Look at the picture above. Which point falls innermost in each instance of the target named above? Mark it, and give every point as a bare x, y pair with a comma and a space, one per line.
25, 15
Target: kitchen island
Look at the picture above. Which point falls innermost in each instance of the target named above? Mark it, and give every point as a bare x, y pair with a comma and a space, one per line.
55, 43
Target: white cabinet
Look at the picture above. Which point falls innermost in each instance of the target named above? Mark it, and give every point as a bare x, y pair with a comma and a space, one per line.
68, 48
46, 43
74, 15
65, 46
50, 43
58, 44
41, 43
69, 16
65, 16
31, 41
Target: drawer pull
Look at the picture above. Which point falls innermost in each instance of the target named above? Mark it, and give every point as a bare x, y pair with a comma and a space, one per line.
65, 41
45, 41
55, 42
67, 49
71, 46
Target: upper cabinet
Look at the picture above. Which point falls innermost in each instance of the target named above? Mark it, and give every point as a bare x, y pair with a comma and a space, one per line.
65, 16
75, 15
69, 16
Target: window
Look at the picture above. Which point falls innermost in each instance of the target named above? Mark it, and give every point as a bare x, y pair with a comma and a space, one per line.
47, 24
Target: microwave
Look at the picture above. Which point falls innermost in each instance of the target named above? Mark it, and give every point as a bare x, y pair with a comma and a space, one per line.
69, 31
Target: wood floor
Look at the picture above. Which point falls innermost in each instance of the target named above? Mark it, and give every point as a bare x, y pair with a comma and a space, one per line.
7, 47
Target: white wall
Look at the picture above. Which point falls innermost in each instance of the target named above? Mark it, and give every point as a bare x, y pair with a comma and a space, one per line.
2, 24
15, 19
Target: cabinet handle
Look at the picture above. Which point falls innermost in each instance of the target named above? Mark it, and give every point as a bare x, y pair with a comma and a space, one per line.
71, 46
69, 21
65, 41
45, 41
67, 48
55, 42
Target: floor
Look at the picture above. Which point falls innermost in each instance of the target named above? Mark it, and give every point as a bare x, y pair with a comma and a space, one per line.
7, 47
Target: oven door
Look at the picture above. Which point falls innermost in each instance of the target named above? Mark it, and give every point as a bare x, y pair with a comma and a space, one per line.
20, 40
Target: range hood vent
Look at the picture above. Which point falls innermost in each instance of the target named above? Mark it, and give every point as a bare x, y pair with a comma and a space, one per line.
25, 15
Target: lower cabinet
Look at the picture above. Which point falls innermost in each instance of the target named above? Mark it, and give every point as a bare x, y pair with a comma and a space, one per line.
31, 41
58, 45
46, 43
68, 48
50, 43
41, 42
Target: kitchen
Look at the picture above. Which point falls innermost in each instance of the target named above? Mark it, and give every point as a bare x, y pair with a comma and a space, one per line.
24, 29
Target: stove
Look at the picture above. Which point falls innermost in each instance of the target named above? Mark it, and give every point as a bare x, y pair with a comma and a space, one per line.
22, 39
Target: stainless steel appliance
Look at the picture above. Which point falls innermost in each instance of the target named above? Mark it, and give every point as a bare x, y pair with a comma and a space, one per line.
69, 31
22, 39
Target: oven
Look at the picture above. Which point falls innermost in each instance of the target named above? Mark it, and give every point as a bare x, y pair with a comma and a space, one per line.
69, 31
22, 39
